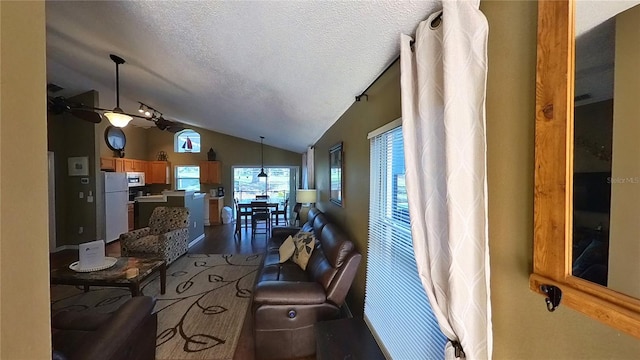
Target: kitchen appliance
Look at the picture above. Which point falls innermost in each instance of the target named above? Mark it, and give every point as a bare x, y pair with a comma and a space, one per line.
135, 178
116, 196
220, 191
137, 191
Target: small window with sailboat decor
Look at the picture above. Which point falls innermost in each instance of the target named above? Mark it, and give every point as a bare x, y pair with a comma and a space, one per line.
187, 141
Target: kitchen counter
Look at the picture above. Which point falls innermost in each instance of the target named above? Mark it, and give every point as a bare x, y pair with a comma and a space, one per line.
189, 199
169, 193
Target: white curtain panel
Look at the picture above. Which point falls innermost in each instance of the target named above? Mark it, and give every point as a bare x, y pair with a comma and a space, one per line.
310, 167
443, 84
305, 173
308, 176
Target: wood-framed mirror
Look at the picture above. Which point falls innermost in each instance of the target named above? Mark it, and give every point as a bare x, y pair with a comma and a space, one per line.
554, 259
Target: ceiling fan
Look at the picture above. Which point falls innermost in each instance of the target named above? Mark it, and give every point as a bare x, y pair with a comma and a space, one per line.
117, 117
60, 105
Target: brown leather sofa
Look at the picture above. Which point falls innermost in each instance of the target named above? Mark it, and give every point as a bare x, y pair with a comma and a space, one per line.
288, 301
127, 334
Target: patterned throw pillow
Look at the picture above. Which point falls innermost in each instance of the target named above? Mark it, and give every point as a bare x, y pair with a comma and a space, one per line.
287, 249
304, 244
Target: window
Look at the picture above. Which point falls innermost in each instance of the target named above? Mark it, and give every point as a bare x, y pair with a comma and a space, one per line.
188, 177
278, 183
186, 141
396, 306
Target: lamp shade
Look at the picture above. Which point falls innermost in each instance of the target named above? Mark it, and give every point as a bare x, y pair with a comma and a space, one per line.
118, 119
306, 195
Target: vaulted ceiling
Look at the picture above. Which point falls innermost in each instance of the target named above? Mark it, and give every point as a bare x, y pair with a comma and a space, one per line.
285, 70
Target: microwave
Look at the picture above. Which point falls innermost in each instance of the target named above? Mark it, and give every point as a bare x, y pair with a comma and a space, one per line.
135, 179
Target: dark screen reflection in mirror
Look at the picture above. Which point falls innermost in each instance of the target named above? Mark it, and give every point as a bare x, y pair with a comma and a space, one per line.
606, 182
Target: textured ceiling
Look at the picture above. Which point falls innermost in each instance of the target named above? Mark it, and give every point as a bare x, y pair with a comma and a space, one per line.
595, 47
284, 70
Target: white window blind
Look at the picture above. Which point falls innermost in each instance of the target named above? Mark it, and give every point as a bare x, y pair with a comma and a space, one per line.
396, 306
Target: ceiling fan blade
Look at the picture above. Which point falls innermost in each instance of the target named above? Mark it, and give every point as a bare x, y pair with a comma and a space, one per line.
57, 105
168, 125
175, 128
87, 115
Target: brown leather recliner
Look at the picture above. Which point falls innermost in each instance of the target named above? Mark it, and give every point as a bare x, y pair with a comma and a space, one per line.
127, 334
288, 301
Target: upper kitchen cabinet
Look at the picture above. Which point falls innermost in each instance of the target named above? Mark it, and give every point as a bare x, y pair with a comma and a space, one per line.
158, 172
112, 164
210, 172
135, 165
108, 164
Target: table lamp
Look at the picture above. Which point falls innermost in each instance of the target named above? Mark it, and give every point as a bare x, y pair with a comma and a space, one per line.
306, 197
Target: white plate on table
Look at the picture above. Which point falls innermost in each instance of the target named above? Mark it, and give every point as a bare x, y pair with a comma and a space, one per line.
108, 262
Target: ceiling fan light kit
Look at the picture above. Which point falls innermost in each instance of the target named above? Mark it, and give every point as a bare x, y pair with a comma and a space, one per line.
117, 117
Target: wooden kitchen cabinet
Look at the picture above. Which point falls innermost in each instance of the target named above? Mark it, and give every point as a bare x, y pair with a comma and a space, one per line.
128, 164
215, 208
112, 164
108, 164
119, 163
135, 165
158, 172
210, 172
140, 165
131, 213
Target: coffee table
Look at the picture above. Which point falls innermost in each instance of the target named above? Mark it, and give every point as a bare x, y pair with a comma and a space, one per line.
114, 276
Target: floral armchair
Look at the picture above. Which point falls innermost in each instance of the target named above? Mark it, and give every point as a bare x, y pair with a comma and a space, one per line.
167, 235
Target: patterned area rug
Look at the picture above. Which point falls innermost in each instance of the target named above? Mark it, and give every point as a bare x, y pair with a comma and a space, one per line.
202, 312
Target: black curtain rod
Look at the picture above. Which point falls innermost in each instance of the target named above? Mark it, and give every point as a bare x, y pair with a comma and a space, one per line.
434, 24
364, 93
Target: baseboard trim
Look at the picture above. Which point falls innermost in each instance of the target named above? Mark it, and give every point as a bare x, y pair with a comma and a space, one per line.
196, 240
346, 312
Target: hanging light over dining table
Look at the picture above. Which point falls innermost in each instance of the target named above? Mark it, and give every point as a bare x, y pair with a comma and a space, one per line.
262, 173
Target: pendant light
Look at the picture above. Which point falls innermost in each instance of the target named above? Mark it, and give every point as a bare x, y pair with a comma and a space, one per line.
117, 117
262, 173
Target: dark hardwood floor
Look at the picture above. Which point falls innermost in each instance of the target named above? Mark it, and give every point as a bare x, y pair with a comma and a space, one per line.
220, 240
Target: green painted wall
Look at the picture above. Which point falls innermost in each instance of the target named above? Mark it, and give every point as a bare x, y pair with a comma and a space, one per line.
136, 146
69, 136
352, 128
230, 150
523, 328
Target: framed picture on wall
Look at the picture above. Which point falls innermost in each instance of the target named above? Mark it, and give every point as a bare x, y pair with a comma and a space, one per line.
336, 170
78, 166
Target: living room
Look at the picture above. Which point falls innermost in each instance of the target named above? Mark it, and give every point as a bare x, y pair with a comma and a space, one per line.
142, 143
522, 326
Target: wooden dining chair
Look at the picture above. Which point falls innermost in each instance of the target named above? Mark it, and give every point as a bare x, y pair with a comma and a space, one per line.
238, 229
243, 212
260, 214
276, 213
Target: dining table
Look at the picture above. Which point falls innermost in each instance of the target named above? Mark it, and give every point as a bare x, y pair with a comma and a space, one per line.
245, 207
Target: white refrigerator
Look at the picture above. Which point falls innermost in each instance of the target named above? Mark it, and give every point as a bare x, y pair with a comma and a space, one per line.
116, 196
